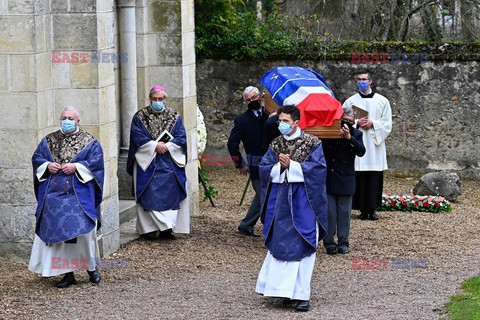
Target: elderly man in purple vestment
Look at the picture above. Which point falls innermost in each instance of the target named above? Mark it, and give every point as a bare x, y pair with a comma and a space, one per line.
294, 211
68, 180
156, 160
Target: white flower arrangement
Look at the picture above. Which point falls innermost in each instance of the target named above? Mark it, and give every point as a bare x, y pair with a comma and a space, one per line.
201, 132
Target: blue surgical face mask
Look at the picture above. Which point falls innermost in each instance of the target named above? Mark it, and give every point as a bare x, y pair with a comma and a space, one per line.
158, 105
68, 126
362, 85
284, 128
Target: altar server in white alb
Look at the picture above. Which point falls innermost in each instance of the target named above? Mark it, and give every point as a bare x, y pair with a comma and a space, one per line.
294, 211
156, 160
376, 126
68, 173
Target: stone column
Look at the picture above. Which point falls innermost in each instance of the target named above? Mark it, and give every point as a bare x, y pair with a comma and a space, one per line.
128, 69
128, 92
166, 56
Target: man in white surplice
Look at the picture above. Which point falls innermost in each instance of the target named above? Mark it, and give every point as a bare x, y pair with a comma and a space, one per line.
156, 160
294, 211
375, 127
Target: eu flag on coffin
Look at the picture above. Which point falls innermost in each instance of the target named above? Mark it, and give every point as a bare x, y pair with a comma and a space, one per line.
307, 90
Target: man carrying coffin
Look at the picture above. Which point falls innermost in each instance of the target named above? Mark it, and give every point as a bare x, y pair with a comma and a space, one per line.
294, 210
68, 180
156, 160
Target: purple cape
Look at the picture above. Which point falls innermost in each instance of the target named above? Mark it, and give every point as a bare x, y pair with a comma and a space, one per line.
291, 211
162, 186
68, 208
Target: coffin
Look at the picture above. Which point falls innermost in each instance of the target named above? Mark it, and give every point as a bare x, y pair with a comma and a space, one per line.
322, 132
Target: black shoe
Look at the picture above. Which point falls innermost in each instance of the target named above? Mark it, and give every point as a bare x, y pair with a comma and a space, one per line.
332, 250
363, 216
67, 280
289, 302
94, 276
373, 216
342, 250
249, 233
303, 305
150, 235
167, 234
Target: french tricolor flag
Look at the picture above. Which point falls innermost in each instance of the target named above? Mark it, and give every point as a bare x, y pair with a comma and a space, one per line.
307, 90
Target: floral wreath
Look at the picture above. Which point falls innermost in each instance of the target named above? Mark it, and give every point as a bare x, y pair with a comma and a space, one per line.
394, 202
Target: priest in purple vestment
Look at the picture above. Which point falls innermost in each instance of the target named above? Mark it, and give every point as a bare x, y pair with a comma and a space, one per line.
294, 211
68, 173
156, 160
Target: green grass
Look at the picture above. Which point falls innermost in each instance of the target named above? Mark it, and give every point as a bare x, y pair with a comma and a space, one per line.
465, 306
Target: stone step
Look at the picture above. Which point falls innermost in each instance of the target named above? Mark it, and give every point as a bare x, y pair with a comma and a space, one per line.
127, 210
127, 216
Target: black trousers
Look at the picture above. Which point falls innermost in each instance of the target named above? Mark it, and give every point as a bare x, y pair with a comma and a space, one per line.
368, 191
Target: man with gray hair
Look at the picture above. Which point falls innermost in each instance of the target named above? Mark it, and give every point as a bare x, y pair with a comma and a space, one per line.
248, 128
156, 160
340, 156
68, 171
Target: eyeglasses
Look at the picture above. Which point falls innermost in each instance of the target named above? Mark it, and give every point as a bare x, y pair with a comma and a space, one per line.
349, 121
255, 97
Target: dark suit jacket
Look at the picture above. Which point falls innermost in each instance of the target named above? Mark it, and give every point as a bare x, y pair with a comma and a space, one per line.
340, 156
248, 129
270, 131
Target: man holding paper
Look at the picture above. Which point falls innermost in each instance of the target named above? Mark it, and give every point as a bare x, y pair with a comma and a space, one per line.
156, 160
375, 125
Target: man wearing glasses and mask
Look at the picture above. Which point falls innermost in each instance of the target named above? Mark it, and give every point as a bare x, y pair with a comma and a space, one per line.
156, 160
376, 127
248, 128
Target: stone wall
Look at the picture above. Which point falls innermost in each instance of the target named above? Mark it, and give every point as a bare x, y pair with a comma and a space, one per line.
435, 105
34, 89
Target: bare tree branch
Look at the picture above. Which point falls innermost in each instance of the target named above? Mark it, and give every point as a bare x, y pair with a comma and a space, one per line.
406, 19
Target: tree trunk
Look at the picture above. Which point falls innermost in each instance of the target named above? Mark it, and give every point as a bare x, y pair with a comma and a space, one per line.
467, 18
429, 20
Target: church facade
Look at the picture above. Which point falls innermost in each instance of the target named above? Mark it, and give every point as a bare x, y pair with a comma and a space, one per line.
101, 56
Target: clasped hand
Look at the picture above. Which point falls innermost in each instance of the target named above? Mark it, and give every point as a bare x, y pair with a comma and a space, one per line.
365, 123
161, 148
67, 168
284, 160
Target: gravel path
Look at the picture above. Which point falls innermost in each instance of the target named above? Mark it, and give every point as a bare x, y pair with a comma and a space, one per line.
211, 273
